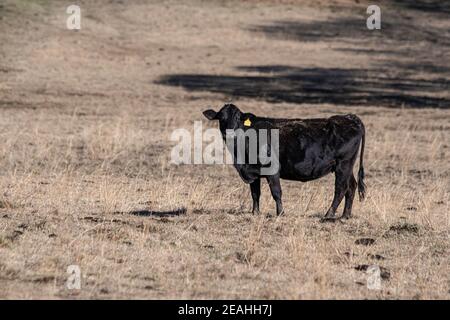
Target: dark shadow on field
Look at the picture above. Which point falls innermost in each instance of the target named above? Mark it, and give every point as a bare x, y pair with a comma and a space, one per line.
403, 34
159, 214
281, 83
354, 31
407, 65
430, 6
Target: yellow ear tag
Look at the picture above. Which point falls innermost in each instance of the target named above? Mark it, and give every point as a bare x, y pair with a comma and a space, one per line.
247, 123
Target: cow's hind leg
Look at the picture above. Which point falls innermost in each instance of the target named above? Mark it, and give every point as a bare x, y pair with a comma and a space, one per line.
275, 189
342, 175
349, 196
255, 188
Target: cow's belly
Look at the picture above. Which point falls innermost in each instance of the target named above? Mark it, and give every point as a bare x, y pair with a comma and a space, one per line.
307, 169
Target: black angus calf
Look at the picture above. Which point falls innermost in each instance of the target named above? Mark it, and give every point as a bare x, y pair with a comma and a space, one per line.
308, 149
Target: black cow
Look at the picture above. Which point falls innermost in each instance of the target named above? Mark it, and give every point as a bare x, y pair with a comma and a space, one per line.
308, 149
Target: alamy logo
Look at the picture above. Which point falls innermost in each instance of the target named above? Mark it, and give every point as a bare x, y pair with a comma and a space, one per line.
374, 20
245, 147
73, 22
373, 278
74, 279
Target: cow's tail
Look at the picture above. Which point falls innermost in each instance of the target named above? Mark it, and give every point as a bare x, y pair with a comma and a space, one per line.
361, 185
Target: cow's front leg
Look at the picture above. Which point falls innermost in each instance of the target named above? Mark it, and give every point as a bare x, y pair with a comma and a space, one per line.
255, 188
275, 189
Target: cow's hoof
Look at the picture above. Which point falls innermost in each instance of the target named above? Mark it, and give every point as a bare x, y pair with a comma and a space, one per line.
328, 219
346, 216
280, 214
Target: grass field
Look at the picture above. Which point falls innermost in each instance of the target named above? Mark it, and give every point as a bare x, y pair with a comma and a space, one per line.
85, 124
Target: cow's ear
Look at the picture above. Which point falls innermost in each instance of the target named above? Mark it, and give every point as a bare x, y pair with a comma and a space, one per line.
210, 114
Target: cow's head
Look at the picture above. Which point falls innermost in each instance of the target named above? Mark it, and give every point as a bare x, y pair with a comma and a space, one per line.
251, 159
229, 117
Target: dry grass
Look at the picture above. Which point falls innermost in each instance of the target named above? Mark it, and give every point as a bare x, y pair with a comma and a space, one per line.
84, 156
